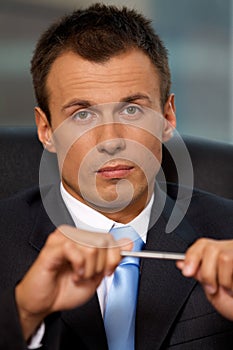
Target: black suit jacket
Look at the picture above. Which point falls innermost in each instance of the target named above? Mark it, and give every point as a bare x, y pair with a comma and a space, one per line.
172, 311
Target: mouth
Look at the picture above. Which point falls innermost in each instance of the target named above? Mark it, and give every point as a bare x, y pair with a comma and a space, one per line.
118, 171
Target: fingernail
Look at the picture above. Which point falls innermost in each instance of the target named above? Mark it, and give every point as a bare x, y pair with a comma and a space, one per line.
209, 289
180, 265
81, 271
187, 270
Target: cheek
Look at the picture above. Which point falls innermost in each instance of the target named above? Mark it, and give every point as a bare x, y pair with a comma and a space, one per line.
157, 151
71, 160
152, 157
151, 143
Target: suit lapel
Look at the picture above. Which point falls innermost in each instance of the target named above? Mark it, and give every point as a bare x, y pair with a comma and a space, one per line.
86, 321
51, 213
162, 290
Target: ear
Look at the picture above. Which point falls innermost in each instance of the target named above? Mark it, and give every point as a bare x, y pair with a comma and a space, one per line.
44, 130
169, 118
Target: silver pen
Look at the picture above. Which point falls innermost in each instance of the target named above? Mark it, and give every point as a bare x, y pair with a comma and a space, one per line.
154, 255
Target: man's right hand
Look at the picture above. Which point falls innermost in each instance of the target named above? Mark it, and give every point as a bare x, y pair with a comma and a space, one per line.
65, 274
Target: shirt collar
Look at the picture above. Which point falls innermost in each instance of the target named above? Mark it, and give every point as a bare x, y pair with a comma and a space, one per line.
87, 218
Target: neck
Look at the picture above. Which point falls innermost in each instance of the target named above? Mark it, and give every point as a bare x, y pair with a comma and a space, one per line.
124, 215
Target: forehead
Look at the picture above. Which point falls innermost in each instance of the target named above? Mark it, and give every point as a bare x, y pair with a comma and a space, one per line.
123, 74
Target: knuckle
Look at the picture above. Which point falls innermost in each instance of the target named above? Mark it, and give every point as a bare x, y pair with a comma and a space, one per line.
198, 247
225, 258
103, 242
211, 249
91, 251
52, 239
204, 241
67, 245
201, 241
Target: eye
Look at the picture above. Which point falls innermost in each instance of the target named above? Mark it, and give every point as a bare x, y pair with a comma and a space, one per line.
84, 116
131, 112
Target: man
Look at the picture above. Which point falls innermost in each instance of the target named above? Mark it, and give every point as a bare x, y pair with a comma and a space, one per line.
102, 82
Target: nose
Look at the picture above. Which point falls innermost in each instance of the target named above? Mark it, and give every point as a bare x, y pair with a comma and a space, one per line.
111, 140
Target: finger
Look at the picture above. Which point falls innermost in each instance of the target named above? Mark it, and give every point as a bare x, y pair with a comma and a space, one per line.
93, 247
113, 259
85, 261
92, 255
85, 238
109, 256
223, 302
193, 258
180, 264
101, 261
98, 260
225, 270
114, 256
208, 272
76, 258
93, 262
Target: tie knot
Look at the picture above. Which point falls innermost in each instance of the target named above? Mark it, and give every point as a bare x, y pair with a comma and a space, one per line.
128, 232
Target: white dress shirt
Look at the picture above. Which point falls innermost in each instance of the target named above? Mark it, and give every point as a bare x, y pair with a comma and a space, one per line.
87, 218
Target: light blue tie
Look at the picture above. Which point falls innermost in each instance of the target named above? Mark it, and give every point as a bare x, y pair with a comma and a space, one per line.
119, 318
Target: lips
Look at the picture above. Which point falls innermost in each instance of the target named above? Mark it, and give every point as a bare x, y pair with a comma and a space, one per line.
116, 171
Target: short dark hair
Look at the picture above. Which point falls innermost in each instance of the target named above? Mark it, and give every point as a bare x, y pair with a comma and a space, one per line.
97, 34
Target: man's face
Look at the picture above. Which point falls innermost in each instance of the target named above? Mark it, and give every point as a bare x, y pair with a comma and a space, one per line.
104, 129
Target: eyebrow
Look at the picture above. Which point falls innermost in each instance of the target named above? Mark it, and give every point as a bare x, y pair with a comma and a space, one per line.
136, 97
77, 102
86, 103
